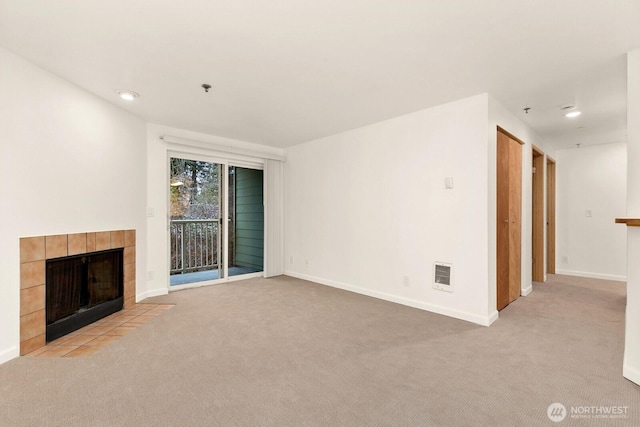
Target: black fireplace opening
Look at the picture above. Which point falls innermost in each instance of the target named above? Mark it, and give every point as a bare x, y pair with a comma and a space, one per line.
82, 289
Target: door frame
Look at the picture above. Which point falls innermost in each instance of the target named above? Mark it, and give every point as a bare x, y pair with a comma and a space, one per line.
513, 205
222, 230
551, 215
537, 217
224, 196
244, 165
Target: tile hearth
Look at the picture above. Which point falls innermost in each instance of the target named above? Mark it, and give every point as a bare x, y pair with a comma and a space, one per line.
91, 338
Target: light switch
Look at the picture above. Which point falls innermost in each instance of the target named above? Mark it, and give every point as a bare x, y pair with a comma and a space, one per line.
448, 182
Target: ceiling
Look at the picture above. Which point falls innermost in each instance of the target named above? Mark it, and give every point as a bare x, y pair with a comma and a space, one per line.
288, 71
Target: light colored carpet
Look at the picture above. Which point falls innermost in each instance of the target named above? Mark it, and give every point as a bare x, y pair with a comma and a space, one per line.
285, 352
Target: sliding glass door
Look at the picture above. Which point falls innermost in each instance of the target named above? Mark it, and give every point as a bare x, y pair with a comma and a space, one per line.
216, 226
246, 221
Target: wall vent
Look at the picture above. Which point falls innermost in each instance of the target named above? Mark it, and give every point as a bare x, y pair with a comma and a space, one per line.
442, 276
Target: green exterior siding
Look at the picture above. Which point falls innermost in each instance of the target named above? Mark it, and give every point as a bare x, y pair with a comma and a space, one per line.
249, 219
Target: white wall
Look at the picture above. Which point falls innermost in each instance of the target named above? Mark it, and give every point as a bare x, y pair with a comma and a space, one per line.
207, 147
592, 178
69, 162
631, 366
367, 210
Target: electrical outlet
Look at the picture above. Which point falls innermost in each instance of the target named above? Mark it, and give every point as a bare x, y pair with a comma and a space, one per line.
587, 213
406, 281
291, 259
564, 259
150, 275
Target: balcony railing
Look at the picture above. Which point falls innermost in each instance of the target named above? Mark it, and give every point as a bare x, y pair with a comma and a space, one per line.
195, 245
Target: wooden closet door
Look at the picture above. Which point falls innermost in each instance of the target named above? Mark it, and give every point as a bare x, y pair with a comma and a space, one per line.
515, 219
502, 225
508, 217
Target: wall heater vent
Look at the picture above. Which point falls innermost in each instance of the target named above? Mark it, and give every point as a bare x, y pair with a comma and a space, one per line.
442, 276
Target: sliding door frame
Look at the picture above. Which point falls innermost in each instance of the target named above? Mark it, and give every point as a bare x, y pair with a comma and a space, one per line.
225, 162
245, 165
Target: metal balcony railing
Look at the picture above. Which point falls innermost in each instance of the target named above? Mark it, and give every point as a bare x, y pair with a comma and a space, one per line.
195, 245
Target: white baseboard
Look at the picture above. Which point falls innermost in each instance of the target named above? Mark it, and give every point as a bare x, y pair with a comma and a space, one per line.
9, 354
592, 275
457, 314
526, 291
153, 293
492, 317
631, 373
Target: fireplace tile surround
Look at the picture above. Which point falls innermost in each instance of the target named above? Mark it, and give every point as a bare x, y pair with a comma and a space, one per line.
35, 251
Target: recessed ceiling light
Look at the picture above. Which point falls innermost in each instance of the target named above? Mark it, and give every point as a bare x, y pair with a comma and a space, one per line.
128, 95
573, 114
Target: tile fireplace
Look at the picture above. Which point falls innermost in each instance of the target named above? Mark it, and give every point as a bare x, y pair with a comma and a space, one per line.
34, 254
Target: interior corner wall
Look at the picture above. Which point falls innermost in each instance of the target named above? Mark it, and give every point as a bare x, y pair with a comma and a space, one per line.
367, 210
592, 180
631, 364
69, 162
